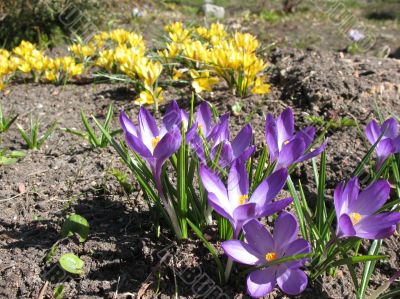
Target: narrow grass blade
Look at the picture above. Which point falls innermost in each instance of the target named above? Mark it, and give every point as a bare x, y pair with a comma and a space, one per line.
260, 168
47, 134
89, 129
24, 136
182, 174
358, 259
321, 207
369, 268
76, 132
107, 123
298, 208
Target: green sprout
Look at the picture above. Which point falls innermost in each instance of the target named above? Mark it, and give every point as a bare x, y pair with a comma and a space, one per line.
90, 135
32, 139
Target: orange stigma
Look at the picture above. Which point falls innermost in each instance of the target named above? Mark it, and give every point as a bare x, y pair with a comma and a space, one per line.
243, 198
271, 256
155, 141
355, 218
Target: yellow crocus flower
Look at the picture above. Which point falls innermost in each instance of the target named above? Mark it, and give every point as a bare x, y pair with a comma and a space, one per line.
260, 87
202, 81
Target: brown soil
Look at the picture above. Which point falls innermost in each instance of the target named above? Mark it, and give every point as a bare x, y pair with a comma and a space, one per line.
123, 256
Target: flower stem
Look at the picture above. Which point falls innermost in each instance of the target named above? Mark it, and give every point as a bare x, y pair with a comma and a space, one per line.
228, 269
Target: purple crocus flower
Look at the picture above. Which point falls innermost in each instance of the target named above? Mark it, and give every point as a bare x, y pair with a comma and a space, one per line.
389, 143
285, 146
153, 145
356, 210
218, 135
356, 35
239, 148
234, 202
262, 247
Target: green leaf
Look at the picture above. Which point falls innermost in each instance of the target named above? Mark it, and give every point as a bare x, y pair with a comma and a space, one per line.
358, 259
47, 134
52, 252
107, 123
320, 212
182, 175
369, 268
17, 154
7, 161
72, 263
76, 224
92, 135
58, 292
298, 208
25, 136
122, 178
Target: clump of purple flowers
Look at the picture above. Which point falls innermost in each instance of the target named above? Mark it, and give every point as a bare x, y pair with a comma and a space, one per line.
224, 176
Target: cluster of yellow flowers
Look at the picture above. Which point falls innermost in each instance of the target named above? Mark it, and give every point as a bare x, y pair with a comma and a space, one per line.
199, 55
27, 59
211, 54
123, 52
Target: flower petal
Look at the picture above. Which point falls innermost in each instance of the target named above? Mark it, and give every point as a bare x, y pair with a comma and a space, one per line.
292, 281
285, 127
373, 131
126, 124
226, 155
344, 195
204, 118
220, 206
377, 226
269, 189
190, 134
298, 246
371, 198
383, 150
308, 134
238, 183
147, 127
313, 153
274, 207
213, 184
247, 153
241, 252
285, 231
396, 144
261, 282
345, 227
290, 153
391, 126
242, 141
271, 137
168, 144
172, 116
244, 212
220, 131
258, 237
137, 146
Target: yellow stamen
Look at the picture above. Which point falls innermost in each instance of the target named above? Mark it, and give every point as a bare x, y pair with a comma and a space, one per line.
155, 141
271, 256
355, 218
286, 142
243, 198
